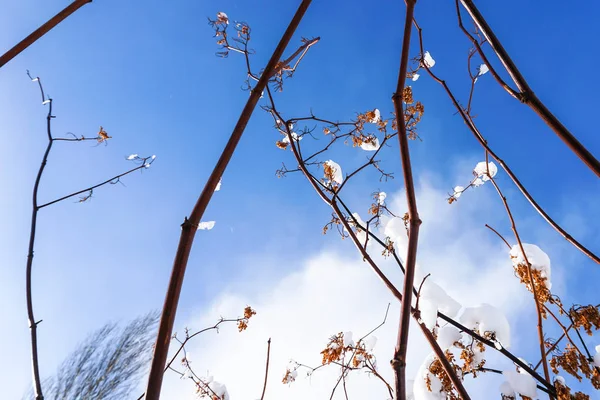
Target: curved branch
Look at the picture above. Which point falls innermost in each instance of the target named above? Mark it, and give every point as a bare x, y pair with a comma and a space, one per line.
37, 384
526, 95
473, 128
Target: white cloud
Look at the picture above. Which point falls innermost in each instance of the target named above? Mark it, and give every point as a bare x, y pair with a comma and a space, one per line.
335, 292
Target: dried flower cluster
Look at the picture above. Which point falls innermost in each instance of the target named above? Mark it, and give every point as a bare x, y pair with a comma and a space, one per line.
437, 370
563, 392
102, 135
412, 113
587, 317
572, 361
542, 291
243, 323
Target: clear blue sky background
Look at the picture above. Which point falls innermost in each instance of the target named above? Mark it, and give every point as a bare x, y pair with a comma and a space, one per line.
146, 71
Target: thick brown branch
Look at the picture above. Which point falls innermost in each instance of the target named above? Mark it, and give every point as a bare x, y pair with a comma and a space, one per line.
526, 95
399, 360
41, 31
473, 128
189, 227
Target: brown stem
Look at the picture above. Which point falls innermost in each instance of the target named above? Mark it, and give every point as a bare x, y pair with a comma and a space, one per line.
262, 396
482, 141
189, 227
538, 305
41, 31
526, 94
499, 235
399, 360
551, 348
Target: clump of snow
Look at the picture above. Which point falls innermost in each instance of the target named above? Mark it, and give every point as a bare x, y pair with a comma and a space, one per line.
428, 60
370, 343
132, 156
561, 380
597, 356
477, 182
295, 138
381, 198
360, 225
377, 116
458, 191
481, 170
420, 389
348, 339
507, 390
336, 171
290, 376
537, 258
359, 221
219, 390
487, 318
206, 225
447, 336
433, 299
522, 383
371, 145
483, 69
218, 185
222, 17
415, 77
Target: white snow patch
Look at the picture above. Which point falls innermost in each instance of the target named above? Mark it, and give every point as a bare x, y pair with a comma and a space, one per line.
524, 384
537, 258
420, 390
487, 318
338, 177
428, 60
447, 336
206, 225
481, 170
371, 145
433, 299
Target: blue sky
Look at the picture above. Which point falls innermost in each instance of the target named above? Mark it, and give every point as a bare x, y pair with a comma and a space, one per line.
147, 73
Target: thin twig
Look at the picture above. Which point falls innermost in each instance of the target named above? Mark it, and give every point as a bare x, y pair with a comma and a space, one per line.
146, 161
538, 305
499, 235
